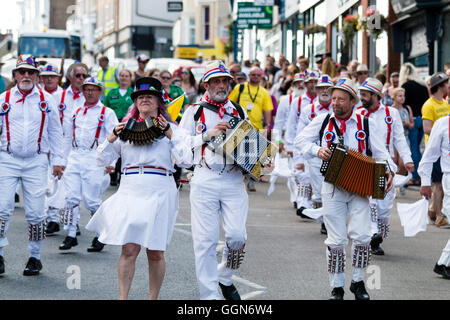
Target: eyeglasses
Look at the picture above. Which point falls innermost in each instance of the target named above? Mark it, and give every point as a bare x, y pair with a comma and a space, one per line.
165, 78
30, 72
255, 74
81, 75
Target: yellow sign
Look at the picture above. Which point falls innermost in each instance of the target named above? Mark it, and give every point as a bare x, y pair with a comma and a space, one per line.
186, 52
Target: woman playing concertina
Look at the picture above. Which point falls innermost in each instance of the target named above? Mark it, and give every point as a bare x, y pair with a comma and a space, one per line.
143, 211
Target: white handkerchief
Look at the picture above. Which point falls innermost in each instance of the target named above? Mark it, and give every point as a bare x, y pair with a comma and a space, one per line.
314, 213
400, 181
413, 217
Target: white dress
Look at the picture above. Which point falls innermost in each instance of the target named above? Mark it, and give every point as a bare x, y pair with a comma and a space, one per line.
144, 209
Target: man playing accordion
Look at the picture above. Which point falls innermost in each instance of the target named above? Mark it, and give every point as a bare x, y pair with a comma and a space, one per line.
344, 126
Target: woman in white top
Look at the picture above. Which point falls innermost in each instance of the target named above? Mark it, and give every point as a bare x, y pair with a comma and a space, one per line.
143, 210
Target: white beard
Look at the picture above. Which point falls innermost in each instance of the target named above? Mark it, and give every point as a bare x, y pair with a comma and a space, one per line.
299, 92
25, 86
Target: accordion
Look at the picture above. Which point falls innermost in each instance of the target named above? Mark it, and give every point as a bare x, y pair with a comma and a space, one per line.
245, 147
355, 172
141, 133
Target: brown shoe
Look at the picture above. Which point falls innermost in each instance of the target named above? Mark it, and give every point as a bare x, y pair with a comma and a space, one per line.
441, 221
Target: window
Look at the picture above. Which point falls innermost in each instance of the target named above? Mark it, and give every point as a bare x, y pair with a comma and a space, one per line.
192, 30
206, 24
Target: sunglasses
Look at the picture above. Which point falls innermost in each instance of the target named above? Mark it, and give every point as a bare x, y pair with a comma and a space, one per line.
185, 72
81, 75
255, 74
165, 78
30, 72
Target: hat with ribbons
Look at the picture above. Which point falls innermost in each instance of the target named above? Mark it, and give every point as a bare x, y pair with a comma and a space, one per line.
325, 81
92, 81
347, 85
147, 86
49, 70
372, 85
26, 61
216, 69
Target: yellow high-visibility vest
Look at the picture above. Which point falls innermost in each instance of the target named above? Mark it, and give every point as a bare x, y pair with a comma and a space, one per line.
108, 79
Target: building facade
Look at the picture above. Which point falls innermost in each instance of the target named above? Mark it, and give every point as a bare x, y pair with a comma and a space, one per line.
126, 28
203, 29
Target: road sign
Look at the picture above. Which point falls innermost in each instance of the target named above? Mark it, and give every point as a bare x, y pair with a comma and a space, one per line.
250, 15
175, 6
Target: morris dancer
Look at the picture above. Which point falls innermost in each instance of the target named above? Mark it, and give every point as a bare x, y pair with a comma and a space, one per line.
279, 128
143, 211
215, 187
346, 127
438, 146
389, 126
30, 130
298, 104
90, 124
307, 115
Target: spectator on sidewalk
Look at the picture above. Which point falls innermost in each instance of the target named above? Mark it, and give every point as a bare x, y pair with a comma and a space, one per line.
416, 94
433, 109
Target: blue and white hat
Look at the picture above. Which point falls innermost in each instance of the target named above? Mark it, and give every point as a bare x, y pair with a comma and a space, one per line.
372, 85
92, 81
312, 76
347, 85
49, 70
299, 77
26, 61
325, 81
216, 69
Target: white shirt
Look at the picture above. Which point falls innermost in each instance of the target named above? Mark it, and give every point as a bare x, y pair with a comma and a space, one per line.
281, 117
438, 145
215, 161
293, 118
86, 127
25, 123
307, 140
397, 139
306, 117
162, 153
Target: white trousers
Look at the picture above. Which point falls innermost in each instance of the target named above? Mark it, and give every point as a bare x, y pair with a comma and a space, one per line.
445, 256
337, 204
316, 183
83, 180
30, 172
210, 195
382, 213
291, 182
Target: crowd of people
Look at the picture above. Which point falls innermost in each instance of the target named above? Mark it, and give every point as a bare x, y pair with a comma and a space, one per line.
55, 132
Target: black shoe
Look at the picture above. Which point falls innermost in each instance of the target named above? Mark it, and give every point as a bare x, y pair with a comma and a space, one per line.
359, 290
52, 227
96, 246
440, 269
229, 292
33, 267
2, 265
301, 215
16, 198
68, 243
378, 251
377, 239
337, 294
323, 229
78, 231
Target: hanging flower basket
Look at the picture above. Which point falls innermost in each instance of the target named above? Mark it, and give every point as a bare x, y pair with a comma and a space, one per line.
315, 28
350, 27
374, 23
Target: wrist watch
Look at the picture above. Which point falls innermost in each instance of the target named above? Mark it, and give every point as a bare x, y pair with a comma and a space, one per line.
206, 137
